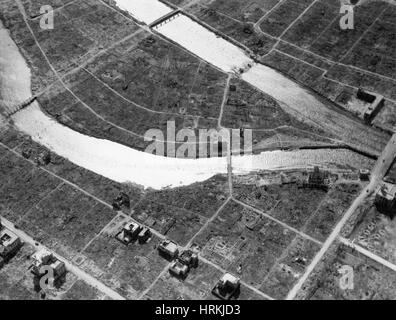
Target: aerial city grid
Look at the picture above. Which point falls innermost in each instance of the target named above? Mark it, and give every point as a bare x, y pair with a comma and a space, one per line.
222, 150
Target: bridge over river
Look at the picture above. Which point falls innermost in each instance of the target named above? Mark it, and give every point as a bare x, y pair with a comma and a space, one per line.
165, 19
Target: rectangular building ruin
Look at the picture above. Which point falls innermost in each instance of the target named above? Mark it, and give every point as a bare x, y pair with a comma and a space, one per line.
385, 199
9, 245
227, 288
317, 179
374, 102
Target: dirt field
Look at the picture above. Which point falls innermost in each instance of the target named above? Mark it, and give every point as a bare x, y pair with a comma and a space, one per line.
372, 281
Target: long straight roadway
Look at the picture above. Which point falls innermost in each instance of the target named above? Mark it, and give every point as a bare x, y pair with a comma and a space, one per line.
367, 253
381, 168
69, 266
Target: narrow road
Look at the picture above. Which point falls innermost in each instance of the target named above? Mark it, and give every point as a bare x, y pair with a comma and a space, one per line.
381, 168
69, 266
302, 234
297, 19
367, 253
108, 205
224, 101
208, 222
243, 282
258, 23
386, 159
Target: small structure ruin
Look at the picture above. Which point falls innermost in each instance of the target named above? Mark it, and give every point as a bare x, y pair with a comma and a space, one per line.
10, 243
45, 263
184, 263
385, 199
374, 102
144, 235
43, 158
178, 269
364, 174
227, 288
189, 258
317, 179
129, 233
168, 249
122, 200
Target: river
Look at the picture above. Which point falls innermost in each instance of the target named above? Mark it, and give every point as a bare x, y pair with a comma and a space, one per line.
123, 164
293, 97
146, 11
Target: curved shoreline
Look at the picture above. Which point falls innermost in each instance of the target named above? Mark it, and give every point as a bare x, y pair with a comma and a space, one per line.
123, 164
218, 50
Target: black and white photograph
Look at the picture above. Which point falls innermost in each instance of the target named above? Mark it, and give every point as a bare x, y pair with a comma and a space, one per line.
195, 157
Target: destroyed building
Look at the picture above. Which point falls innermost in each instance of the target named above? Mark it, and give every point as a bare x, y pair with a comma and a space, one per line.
9, 245
144, 235
43, 158
122, 200
364, 174
317, 179
178, 269
168, 249
374, 103
227, 288
129, 233
42, 261
385, 199
181, 267
189, 258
